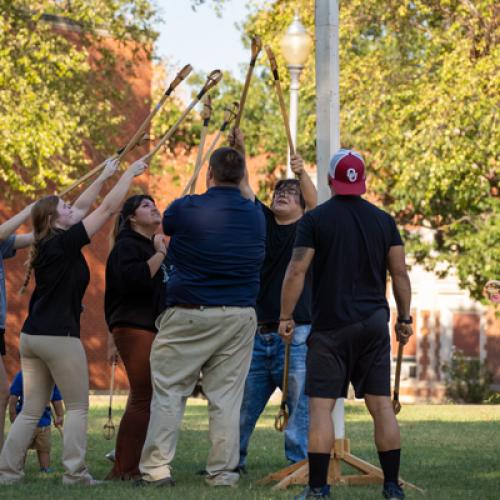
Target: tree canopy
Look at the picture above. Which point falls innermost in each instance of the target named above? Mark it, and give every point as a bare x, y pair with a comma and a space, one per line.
419, 98
54, 100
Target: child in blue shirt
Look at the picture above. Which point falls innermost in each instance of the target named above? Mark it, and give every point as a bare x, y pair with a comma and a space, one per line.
42, 440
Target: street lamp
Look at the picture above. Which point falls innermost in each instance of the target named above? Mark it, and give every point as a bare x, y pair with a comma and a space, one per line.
296, 45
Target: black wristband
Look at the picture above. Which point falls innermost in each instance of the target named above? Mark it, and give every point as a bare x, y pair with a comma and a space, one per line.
404, 321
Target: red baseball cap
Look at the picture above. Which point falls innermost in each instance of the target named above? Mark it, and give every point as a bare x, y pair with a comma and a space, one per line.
347, 172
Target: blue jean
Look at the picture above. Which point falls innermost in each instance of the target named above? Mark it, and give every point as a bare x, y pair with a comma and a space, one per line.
266, 373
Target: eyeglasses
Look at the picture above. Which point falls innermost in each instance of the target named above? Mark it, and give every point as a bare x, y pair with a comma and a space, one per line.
287, 191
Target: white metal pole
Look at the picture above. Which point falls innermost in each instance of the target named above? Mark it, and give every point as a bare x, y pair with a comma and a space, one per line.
327, 118
327, 89
294, 110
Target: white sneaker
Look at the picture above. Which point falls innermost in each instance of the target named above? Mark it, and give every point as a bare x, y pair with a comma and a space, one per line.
86, 480
223, 479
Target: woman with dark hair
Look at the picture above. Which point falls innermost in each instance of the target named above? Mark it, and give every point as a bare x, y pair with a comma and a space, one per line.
50, 347
135, 296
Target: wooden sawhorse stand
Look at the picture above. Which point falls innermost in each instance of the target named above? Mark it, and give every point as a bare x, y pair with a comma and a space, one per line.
299, 473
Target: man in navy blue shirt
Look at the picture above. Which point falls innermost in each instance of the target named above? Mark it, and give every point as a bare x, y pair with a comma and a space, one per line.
216, 251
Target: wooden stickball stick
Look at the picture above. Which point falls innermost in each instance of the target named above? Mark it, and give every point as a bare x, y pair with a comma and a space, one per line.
256, 48
281, 419
183, 73
205, 114
277, 86
229, 115
212, 80
395, 400
139, 135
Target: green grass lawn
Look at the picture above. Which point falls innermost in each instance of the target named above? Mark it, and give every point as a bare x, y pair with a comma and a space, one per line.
451, 452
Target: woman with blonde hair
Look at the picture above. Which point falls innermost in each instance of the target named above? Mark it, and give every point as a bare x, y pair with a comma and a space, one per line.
50, 347
135, 295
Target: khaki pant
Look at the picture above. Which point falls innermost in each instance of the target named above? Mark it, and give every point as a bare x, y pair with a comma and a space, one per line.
217, 341
46, 359
42, 440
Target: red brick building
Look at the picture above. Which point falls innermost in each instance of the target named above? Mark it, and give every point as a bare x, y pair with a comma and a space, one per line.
445, 319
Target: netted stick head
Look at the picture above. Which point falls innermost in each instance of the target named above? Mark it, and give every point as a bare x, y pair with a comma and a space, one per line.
231, 111
181, 75
256, 48
109, 430
396, 405
213, 78
281, 420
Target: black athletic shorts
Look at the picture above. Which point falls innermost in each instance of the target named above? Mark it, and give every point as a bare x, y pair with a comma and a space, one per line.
358, 353
2, 342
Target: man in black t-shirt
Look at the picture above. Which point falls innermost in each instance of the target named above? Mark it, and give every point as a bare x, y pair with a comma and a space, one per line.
353, 243
290, 199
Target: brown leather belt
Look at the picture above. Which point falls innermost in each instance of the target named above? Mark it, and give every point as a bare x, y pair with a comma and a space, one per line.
264, 328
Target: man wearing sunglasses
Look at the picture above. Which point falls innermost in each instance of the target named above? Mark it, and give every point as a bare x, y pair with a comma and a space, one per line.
291, 198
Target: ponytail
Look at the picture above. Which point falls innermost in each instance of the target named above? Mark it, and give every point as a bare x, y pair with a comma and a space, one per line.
29, 267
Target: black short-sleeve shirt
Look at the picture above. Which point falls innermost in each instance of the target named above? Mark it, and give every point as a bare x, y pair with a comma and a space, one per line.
61, 276
279, 247
351, 238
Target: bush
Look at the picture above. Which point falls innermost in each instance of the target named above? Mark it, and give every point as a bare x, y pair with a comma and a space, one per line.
467, 380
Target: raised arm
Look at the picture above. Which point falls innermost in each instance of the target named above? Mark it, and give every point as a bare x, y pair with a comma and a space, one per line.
155, 262
82, 205
237, 141
113, 199
293, 284
23, 240
307, 186
11, 225
401, 288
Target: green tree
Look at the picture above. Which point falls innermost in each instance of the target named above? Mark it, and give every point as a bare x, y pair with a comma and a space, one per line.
419, 97
55, 99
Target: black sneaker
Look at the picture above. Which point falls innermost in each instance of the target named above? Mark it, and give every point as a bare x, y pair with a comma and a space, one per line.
141, 483
392, 491
321, 492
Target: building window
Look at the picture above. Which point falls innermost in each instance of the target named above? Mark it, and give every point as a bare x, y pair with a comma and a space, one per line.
466, 333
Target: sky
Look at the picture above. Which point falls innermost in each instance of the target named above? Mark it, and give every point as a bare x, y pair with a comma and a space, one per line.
202, 39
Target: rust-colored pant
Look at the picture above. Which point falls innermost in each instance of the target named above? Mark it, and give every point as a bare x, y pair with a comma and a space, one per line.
134, 346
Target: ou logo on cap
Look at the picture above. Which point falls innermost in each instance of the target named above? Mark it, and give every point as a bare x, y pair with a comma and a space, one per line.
352, 175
